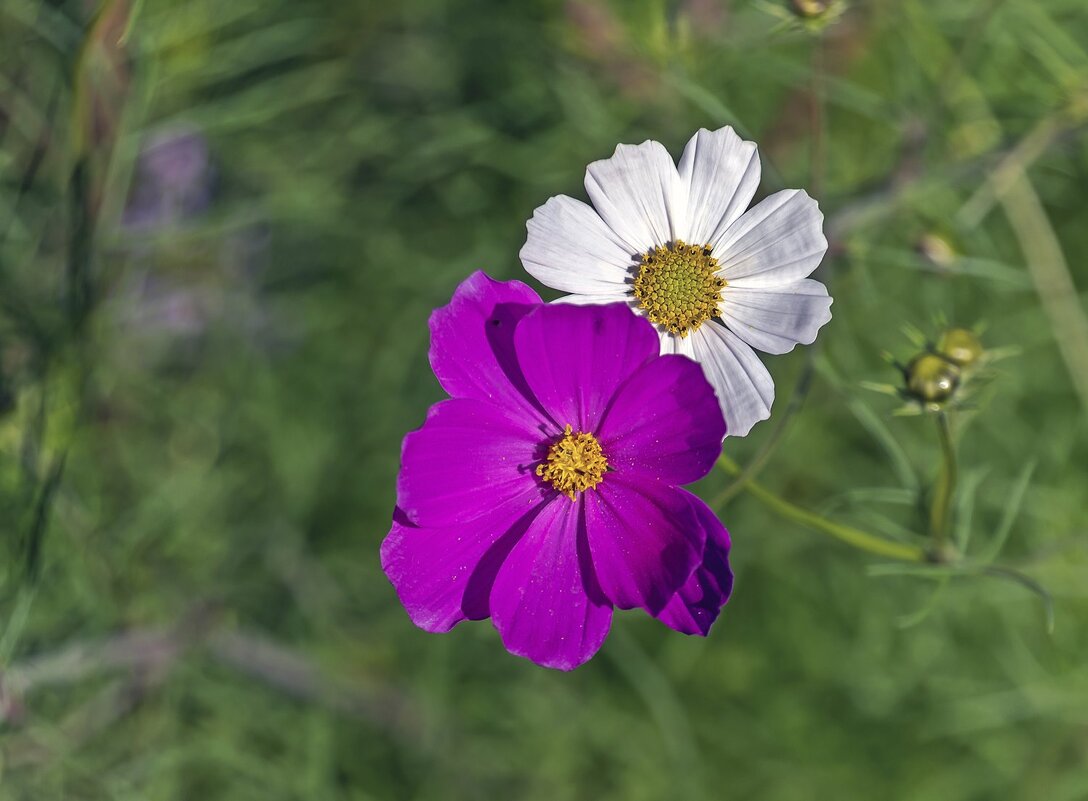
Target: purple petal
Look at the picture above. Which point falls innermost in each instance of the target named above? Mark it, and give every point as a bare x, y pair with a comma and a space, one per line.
645, 541
444, 575
472, 342
664, 424
545, 602
575, 357
697, 604
467, 458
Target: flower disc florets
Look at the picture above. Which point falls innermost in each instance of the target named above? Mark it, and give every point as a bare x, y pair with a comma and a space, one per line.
574, 464
679, 287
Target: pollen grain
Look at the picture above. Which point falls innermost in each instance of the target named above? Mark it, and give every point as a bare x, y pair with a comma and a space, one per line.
575, 463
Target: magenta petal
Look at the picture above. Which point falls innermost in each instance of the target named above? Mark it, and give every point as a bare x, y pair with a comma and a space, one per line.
467, 458
697, 604
472, 341
444, 575
664, 423
645, 541
545, 602
575, 357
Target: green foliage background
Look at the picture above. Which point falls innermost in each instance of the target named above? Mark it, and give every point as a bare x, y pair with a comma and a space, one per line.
191, 605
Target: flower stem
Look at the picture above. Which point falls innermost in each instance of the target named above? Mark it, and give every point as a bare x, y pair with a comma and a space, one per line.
851, 536
816, 122
797, 398
945, 489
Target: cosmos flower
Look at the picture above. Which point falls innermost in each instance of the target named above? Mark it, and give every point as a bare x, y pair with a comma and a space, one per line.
545, 492
676, 245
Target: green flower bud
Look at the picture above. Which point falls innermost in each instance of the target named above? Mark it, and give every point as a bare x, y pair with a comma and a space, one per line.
937, 250
810, 9
960, 346
932, 379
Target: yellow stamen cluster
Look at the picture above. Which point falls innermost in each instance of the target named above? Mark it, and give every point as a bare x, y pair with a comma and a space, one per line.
679, 287
574, 464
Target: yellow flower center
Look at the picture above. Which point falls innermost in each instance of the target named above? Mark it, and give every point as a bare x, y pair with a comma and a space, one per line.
574, 464
679, 287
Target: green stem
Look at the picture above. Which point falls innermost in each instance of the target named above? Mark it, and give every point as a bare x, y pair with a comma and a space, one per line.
797, 399
817, 154
851, 536
16, 622
945, 489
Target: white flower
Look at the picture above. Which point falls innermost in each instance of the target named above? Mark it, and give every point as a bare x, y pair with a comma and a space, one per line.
676, 244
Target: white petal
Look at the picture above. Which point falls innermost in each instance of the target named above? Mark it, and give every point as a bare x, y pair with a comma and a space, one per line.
774, 320
670, 343
594, 300
744, 387
638, 193
776, 242
720, 172
570, 248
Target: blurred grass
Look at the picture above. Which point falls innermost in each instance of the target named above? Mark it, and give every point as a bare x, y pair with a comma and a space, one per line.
202, 416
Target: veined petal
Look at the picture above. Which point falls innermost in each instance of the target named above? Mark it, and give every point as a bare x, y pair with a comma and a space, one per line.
575, 357
695, 607
720, 172
673, 344
664, 426
776, 319
444, 575
472, 342
570, 248
468, 457
545, 601
743, 385
595, 300
638, 194
645, 541
776, 242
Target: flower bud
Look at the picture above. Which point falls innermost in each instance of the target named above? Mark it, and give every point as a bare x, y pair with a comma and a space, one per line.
931, 378
960, 346
937, 250
810, 9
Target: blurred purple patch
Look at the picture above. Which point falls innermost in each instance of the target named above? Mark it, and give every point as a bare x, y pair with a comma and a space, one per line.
161, 306
173, 181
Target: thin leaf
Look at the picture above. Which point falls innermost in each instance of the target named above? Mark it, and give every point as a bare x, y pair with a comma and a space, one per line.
930, 571
1012, 509
897, 456
914, 618
1029, 583
965, 506
709, 103
873, 423
890, 495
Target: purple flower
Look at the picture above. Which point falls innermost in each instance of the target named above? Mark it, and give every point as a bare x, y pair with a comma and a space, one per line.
545, 491
173, 180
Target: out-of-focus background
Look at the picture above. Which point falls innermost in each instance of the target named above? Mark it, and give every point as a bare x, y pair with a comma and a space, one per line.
222, 229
